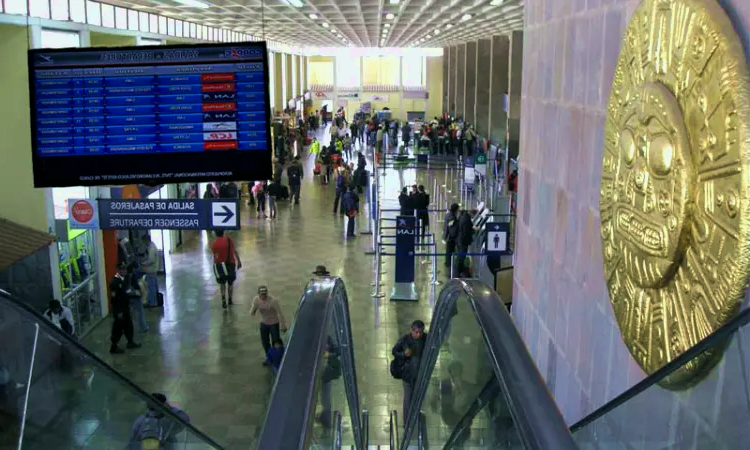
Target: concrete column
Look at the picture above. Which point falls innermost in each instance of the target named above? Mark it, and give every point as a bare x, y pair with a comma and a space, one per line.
452, 81
499, 87
278, 100
514, 90
470, 111
446, 77
289, 80
484, 69
460, 80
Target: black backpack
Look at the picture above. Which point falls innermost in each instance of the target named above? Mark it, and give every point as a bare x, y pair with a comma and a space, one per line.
397, 368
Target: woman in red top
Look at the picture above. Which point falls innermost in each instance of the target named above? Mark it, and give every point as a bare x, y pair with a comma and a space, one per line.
226, 263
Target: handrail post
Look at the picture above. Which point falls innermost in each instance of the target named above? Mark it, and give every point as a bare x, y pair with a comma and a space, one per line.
28, 387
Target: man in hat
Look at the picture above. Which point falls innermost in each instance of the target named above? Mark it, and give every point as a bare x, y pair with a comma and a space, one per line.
120, 301
321, 271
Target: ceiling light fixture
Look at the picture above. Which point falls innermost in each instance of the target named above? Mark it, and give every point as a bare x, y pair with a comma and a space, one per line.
388, 25
333, 30
436, 32
313, 16
389, 16
393, 2
325, 25
496, 2
449, 26
466, 17
295, 3
193, 3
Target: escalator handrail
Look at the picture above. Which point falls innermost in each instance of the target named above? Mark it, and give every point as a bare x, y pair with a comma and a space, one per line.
289, 420
27, 312
714, 339
393, 429
536, 416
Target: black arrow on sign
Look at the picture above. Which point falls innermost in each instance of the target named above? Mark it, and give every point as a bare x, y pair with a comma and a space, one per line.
227, 214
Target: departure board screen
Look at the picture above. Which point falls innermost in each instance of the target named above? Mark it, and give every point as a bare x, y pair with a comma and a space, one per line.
150, 115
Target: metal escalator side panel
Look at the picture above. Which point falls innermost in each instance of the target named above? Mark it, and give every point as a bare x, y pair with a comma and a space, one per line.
536, 416
489, 392
85, 376
290, 418
394, 429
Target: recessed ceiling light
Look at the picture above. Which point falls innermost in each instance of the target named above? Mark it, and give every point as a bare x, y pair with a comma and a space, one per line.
449, 26
193, 3
428, 36
436, 32
496, 2
295, 3
393, 2
389, 16
421, 40
388, 25
325, 25
313, 16
466, 17
333, 30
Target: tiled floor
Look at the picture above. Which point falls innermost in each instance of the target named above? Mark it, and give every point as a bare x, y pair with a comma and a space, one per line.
208, 361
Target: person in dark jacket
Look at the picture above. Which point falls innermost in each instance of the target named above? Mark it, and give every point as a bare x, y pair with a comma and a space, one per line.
406, 134
123, 322
350, 204
295, 173
155, 430
341, 188
408, 350
422, 205
450, 233
465, 237
406, 203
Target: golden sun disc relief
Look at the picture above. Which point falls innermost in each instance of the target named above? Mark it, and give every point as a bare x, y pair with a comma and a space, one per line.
675, 189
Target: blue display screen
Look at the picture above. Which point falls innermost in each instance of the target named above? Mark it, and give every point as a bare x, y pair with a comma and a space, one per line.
150, 114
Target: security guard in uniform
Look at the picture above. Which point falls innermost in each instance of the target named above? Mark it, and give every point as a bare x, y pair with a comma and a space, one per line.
120, 299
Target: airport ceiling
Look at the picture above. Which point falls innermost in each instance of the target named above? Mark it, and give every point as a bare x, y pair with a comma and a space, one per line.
358, 23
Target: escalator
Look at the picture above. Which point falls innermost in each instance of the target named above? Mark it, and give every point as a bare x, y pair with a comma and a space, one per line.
474, 361
55, 394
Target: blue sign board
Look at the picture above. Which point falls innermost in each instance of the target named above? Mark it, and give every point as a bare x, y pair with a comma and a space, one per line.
498, 238
406, 235
169, 214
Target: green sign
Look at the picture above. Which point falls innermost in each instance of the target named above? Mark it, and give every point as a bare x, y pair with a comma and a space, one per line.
481, 158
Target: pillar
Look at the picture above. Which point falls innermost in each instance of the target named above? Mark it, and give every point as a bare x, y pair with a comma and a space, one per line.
278, 100
461, 80
446, 78
289, 79
514, 90
452, 81
498, 118
484, 68
470, 111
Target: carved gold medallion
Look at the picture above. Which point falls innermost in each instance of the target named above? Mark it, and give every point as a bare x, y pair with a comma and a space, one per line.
674, 206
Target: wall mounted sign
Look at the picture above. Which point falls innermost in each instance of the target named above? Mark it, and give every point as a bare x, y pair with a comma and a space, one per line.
674, 206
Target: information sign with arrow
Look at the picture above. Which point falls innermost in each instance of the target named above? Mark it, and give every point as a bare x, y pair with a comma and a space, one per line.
168, 214
498, 237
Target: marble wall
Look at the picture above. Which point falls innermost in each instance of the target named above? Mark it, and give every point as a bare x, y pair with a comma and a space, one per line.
560, 301
470, 112
484, 67
499, 87
460, 80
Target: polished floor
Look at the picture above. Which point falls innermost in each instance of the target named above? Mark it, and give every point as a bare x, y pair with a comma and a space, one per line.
208, 361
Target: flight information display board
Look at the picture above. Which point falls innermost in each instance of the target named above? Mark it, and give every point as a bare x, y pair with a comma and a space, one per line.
150, 115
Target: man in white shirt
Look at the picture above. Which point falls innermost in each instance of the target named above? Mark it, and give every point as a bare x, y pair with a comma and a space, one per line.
150, 269
61, 316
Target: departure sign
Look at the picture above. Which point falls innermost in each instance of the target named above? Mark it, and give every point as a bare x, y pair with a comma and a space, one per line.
150, 115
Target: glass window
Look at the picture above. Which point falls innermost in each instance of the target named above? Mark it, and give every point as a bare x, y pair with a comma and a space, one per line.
320, 72
413, 70
143, 21
77, 11
39, 8
348, 71
170, 27
121, 18
59, 10
16, 7
381, 70
132, 20
178, 28
162, 25
93, 13
108, 15
147, 41
60, 198
153, 23
193, 30
60, 39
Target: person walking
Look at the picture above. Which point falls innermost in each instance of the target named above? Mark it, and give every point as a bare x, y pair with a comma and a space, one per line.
350, 204
450, 233
226, 263
123, 322
408, 353
272, 321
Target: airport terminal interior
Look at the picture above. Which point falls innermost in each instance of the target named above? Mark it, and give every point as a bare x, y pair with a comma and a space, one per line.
392, 224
